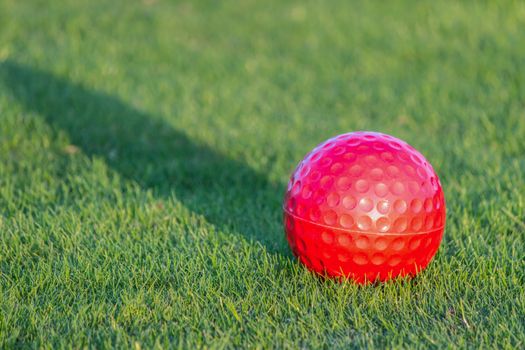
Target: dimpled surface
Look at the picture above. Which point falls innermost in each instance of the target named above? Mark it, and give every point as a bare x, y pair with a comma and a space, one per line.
366, 206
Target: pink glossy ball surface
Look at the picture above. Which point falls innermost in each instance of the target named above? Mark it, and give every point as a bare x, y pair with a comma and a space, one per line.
366, 206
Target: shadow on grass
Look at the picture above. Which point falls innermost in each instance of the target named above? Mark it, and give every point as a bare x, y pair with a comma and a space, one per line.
145, 149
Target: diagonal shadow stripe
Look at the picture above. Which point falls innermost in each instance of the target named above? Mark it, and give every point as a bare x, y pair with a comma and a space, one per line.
148, 150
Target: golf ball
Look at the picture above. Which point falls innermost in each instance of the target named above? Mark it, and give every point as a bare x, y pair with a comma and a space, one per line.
366, 206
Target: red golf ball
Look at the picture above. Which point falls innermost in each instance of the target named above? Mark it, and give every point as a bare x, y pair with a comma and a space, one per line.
366, 206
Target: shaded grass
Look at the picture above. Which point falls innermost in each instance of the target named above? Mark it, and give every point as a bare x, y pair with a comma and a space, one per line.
145, 146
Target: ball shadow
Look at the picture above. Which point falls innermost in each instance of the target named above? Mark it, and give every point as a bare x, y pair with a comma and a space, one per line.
148, 150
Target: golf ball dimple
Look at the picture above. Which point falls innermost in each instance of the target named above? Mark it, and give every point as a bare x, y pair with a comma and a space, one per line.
366, 206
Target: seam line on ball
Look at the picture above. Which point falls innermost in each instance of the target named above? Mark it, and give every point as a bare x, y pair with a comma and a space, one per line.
363, 232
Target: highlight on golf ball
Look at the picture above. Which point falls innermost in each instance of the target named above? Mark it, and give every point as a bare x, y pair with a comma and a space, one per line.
365, 206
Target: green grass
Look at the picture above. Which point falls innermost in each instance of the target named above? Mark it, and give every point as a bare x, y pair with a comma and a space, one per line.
145, 147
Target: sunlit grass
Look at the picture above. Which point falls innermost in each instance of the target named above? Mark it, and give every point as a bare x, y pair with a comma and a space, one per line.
145, 147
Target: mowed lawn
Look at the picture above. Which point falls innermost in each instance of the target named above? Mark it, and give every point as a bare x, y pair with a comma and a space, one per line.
145, 147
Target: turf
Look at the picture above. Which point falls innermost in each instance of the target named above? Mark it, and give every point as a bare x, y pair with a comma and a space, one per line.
145, 147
